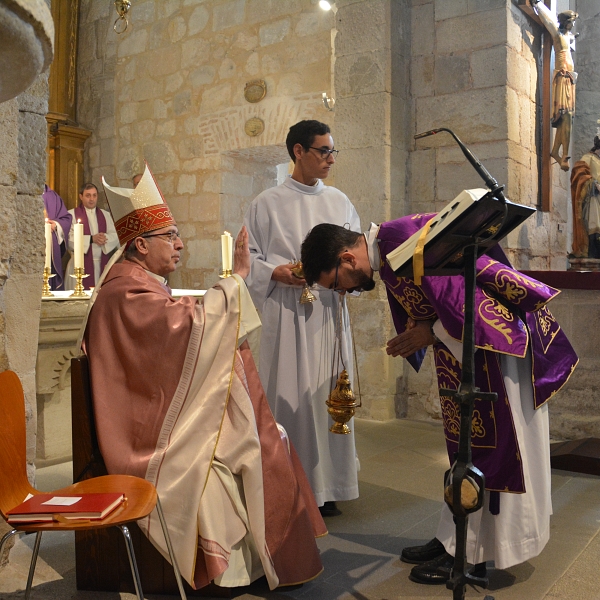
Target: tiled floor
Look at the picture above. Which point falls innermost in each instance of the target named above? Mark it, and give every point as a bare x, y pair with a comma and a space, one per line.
402, 464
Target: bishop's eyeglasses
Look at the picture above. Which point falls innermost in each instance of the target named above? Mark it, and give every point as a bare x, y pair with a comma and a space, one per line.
169, 236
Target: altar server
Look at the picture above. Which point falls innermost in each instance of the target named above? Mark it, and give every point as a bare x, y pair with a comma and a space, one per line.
297, 343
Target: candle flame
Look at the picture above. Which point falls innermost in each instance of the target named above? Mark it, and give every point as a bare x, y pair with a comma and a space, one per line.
227, 233
79, 220
47, 219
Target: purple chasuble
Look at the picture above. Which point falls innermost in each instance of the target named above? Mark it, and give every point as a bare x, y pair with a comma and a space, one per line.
510, 317
57, 211
88, 257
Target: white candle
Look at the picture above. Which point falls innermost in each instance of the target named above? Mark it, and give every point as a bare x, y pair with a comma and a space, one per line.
48, 234
78, 244
227, 251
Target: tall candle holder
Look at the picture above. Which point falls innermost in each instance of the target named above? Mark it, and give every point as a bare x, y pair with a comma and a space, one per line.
46, 293
225, 273
79, 275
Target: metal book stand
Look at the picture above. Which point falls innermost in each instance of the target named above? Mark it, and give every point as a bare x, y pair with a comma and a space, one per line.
469, 236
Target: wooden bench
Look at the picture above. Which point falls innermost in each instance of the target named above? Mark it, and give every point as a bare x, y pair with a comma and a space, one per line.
101, 562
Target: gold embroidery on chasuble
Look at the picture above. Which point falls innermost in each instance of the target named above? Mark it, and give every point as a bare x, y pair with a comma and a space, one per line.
497, 316
412, 299
483, 423
546, 327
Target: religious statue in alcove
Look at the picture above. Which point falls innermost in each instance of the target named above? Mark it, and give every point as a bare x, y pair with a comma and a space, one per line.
564, 79
585, 196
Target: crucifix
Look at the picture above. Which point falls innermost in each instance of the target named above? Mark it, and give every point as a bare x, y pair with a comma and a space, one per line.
558, 88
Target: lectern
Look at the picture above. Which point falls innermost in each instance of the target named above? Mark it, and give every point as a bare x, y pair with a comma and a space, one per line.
449, 245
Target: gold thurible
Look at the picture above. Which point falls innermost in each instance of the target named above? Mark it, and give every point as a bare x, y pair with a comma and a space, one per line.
307, 296
79, 291
341, 404
46, 292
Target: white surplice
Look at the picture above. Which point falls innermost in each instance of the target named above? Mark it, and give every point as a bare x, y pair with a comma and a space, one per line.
112, 243
522, 528
297, 342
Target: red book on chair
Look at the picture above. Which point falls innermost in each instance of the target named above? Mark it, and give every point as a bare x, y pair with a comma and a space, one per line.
54, 507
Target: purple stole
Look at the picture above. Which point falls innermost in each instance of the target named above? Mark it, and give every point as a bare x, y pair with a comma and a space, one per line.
56, 211
88, 257
510, 317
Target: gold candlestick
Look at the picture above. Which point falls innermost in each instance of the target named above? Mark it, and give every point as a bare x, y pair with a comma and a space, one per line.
46, 287
79, 275
225, 273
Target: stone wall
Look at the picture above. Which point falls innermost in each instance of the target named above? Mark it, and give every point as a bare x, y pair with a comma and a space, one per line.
587, 65
22, 174
170, 91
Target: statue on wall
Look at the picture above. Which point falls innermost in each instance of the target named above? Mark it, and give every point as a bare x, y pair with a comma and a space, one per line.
585, 197
564, 80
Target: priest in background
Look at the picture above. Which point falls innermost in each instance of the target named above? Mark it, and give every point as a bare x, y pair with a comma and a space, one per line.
60, 220
177, 400
297, 342
99, 237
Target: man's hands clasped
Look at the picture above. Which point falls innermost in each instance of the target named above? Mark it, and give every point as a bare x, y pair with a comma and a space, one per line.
418, 335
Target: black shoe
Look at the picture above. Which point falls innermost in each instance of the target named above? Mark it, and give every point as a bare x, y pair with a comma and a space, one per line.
417, 555
437, 571
434, 572
329, 509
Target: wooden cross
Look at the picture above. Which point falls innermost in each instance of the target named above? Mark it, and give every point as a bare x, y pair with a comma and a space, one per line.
545, 161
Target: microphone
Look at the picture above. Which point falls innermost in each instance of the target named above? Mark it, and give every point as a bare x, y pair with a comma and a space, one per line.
490, 182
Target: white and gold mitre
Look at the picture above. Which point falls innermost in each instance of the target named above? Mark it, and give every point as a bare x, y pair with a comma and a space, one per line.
139, 210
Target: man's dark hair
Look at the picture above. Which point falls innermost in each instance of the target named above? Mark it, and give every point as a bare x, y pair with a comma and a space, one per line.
596, 144
87, 186
304, 133
322, 247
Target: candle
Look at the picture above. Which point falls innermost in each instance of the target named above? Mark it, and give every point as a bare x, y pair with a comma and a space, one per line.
227, 251
78, 244
48, 234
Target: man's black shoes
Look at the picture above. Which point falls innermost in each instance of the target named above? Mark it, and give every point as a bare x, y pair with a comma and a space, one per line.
329, 509
417, 555
437, 571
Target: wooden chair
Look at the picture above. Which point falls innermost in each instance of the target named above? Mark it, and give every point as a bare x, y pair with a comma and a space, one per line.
141, 495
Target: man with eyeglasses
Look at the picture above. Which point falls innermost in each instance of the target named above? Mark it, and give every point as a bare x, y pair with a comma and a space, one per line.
177, 400
522, 354
297, 342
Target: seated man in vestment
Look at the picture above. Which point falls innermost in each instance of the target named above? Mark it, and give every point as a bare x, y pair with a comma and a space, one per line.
178, 401
522, 354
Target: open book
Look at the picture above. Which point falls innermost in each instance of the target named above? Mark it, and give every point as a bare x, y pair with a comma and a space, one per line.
49, 507
473, 213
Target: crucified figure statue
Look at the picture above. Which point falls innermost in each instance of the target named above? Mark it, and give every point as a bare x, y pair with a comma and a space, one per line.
564, 80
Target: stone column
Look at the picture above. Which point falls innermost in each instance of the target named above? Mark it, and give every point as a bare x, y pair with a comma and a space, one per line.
587, 65
372, 49
26, 38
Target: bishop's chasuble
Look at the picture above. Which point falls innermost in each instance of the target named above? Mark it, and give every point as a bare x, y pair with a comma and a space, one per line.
178, 401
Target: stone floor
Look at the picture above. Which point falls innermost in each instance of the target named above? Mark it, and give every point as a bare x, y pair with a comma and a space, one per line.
402, 463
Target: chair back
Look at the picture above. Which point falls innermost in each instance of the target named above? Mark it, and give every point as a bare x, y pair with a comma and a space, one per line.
87, 459
14, 485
